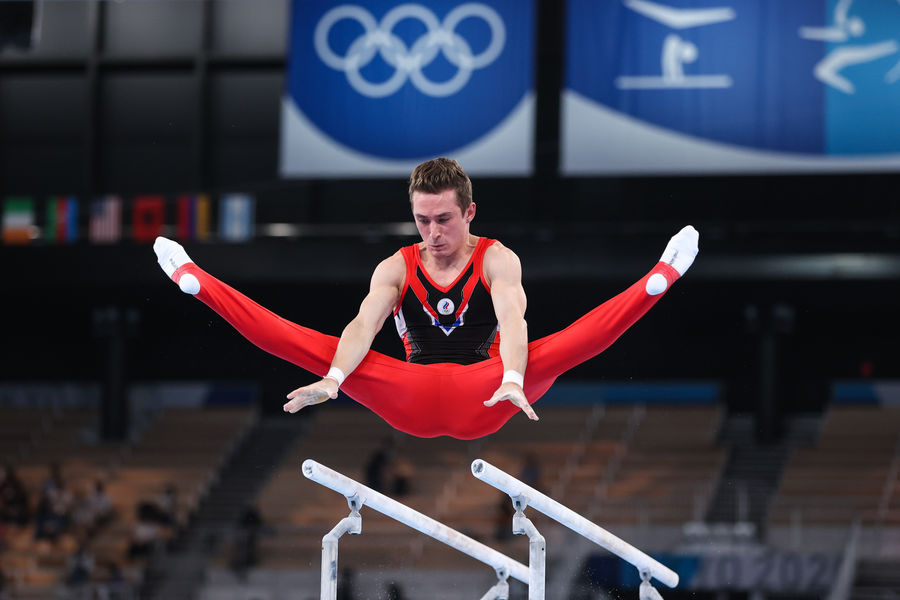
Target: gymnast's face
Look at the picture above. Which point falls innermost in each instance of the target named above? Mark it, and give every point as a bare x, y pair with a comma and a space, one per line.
444, 227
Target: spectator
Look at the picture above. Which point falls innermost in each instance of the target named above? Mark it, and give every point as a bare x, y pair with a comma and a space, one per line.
246, 542
114, 576
530, 473
167, 506
394, 592
101, 505
503, 519
113, 586
379, 463
13, 498
81, 566
82, 519
402, 472
53, 506
90, 511
146, 533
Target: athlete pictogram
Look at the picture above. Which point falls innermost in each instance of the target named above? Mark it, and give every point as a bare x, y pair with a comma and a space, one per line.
676, 51
844, 27
408, 62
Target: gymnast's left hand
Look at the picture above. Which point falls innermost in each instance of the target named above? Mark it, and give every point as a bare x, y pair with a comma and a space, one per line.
315, 393
514, 393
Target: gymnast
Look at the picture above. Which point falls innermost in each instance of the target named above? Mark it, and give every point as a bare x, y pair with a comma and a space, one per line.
459, 307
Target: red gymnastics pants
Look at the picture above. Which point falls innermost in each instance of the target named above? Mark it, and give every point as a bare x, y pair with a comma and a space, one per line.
441, 398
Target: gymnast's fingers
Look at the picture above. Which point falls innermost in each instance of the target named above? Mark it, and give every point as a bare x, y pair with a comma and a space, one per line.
305, 396
497, 397
522, 403
515, 398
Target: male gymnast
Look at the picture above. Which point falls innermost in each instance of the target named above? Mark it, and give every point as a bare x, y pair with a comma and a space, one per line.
459, 307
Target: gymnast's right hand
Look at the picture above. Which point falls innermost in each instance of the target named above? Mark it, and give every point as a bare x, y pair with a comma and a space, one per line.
315, 393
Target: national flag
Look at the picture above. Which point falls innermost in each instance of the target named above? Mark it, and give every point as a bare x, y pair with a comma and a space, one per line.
148, 217
105, 225
236, 217
18, 220
192, 218
62, 220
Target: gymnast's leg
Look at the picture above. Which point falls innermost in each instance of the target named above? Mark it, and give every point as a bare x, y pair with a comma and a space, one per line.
302, 346
551, 356
393, 389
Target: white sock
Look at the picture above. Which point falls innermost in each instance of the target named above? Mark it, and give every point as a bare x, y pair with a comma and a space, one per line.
682, 249
171, 256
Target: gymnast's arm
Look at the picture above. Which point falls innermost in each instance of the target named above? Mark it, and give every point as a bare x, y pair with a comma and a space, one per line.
357, 337
503, 272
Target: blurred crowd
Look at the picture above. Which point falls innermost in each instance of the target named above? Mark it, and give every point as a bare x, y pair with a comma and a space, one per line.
58, 519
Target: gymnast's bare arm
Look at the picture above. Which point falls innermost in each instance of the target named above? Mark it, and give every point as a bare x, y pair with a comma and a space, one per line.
503, 272
357, 337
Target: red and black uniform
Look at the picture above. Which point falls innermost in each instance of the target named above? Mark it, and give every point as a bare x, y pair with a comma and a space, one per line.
453, 324
441, 398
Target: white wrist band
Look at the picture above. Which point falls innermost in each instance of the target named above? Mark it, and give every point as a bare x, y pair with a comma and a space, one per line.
513, 376
336, 374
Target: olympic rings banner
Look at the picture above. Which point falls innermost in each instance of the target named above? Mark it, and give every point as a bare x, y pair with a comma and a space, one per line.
375, 87
718, 86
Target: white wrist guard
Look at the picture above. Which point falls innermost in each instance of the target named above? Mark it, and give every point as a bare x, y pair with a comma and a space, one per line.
336, 374
513, 376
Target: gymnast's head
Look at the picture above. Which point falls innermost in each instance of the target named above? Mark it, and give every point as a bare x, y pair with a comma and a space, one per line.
438, 175
440, 195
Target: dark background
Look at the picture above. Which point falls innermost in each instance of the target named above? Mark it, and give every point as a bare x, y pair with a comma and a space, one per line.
184, 96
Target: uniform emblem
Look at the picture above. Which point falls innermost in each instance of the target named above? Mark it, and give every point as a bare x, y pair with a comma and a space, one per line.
445, 306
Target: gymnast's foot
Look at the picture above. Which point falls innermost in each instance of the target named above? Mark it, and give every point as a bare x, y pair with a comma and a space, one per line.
171, 256
682, 249
679, 254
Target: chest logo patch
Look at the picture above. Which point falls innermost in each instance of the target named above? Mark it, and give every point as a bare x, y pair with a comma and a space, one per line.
445, 306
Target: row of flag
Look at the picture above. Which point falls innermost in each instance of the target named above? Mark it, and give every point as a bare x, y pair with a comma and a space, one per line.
104, 222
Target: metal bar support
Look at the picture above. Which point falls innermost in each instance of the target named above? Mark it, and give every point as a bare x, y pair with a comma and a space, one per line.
500, 590
537, 549
351, 524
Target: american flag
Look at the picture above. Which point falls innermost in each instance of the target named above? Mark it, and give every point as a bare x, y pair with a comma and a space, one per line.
106, 220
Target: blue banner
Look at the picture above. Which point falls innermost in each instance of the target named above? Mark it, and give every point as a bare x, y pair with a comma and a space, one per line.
808, 573
731, 85
374, 88
651, 393
870, 392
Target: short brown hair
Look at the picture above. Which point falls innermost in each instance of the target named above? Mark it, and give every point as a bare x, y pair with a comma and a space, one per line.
439, 174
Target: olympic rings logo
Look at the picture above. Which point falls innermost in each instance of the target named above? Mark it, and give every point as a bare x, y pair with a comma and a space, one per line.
409, 62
